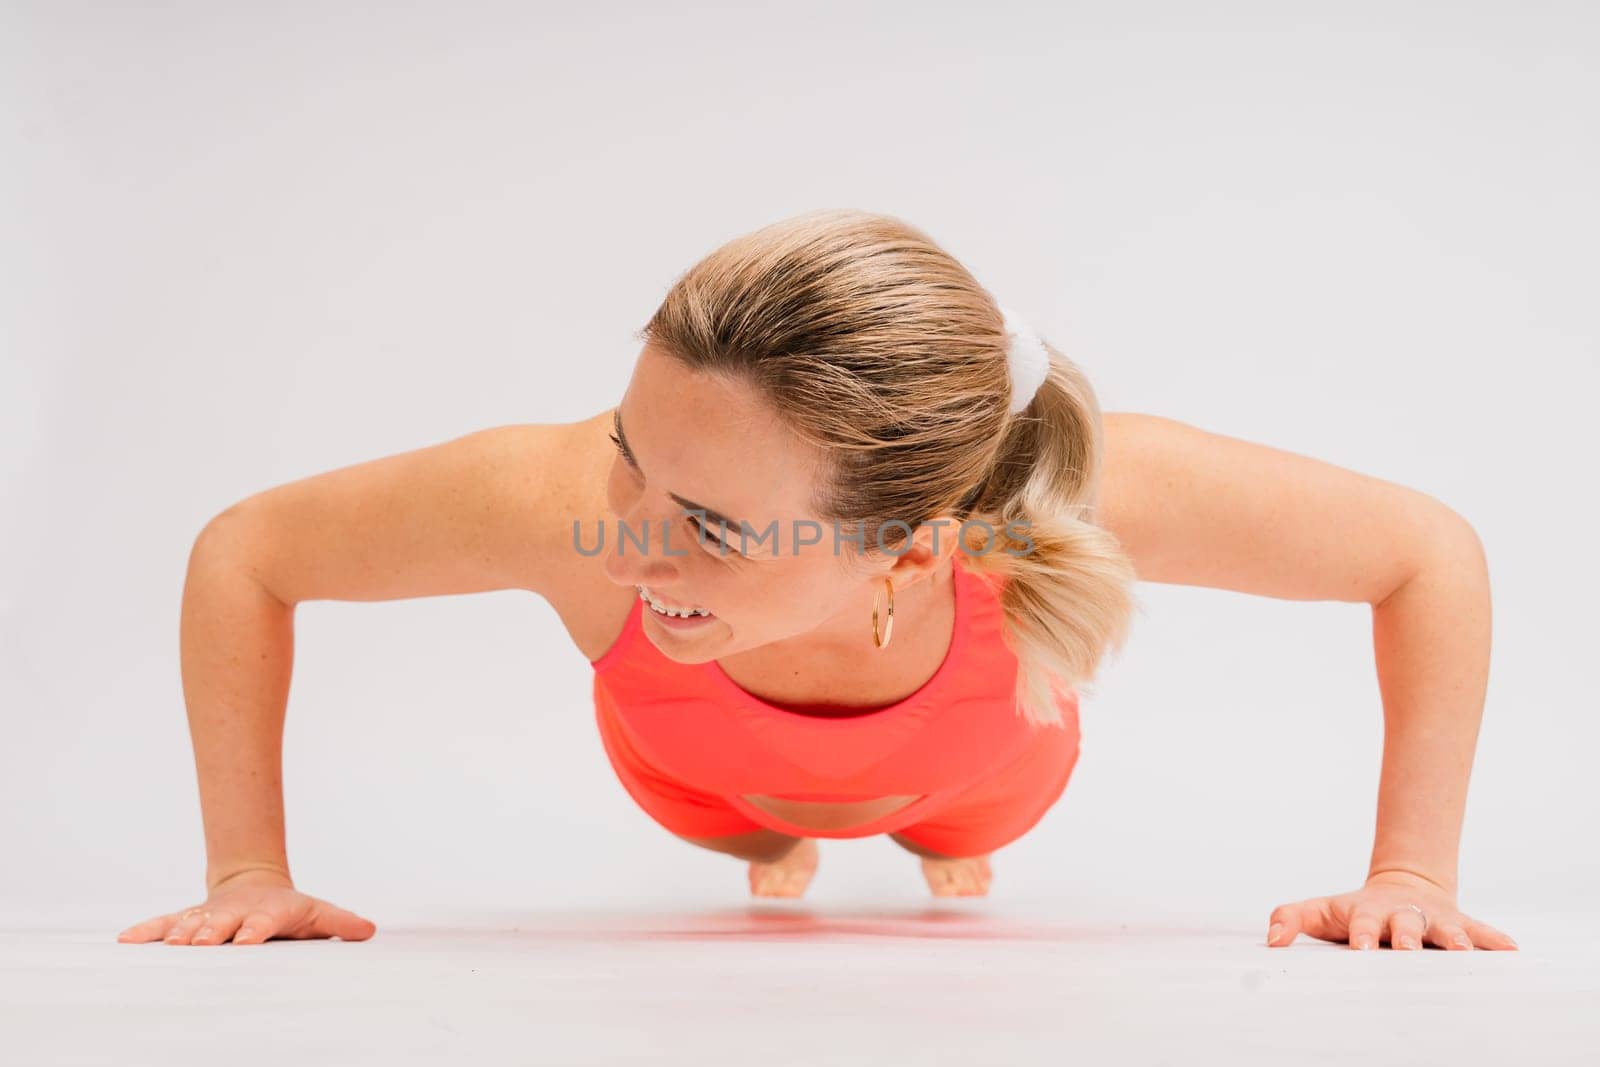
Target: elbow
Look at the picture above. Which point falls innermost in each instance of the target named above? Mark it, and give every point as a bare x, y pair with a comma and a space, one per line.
232, 541
1454, 542
222, 533
1447, 545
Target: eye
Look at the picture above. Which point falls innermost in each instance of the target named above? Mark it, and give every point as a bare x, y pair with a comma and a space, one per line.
712, 543
716, 545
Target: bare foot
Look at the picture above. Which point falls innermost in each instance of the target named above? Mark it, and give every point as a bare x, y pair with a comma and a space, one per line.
787, 877
964, 876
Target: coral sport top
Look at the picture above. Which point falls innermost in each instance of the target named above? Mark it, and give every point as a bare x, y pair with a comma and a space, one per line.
692, 722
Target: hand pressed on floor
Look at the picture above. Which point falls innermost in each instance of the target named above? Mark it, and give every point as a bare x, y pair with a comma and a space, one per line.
250, 909
1401, 910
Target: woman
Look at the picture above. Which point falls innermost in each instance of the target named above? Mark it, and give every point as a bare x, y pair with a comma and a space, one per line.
856, 543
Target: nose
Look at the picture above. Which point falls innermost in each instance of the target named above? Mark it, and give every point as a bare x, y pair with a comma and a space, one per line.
636, 555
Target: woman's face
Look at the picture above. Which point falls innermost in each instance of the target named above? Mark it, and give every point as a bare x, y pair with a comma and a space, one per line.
694, 441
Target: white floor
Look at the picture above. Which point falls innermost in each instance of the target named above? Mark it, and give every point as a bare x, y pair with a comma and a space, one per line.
965, 982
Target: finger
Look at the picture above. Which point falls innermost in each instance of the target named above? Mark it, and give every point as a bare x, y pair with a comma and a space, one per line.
345, 925
186, 925
216, 929
1485, 936
1318, 920
1314, 918
1283, 925
257, 927
149, 930
1366, 930
224, 925
1448, 934
1405, 928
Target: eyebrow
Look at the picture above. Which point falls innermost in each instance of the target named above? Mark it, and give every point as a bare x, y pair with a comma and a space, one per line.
710, 513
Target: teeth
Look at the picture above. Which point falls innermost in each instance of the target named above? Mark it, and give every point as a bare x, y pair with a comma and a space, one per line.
663, 609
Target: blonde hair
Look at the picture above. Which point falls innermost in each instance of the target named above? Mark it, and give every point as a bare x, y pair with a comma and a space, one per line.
885, 355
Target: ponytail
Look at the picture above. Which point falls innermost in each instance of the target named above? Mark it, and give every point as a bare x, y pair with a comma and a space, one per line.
1065, 583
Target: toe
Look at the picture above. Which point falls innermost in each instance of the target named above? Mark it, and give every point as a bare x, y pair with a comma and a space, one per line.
958, 877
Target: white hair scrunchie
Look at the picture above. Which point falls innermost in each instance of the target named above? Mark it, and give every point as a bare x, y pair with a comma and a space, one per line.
1027, 359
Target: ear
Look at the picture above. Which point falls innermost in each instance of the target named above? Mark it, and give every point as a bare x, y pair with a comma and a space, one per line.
931, 545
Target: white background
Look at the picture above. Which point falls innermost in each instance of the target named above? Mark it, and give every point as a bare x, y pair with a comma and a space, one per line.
245, 243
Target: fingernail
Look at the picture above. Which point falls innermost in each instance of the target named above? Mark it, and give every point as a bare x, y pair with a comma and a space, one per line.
204, 931
1364, 941
1273, 932
1408, 942
244, 932
1461, 941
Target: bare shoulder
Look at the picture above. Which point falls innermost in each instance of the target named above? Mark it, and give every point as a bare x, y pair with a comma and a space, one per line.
1126, 437
1134, 479
590, 605
1194, 507
1156, 472
487, 510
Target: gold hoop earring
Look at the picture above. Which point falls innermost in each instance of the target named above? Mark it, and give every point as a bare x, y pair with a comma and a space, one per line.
888, 628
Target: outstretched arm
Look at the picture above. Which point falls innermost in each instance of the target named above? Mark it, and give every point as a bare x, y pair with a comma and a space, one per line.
1198, 508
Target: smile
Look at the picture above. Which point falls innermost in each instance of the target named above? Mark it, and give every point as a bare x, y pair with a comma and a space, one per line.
675, 611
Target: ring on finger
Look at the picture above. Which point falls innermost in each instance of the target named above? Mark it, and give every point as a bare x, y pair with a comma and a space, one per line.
1420, 912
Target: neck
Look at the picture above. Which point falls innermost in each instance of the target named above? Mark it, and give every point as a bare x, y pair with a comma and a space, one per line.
838, 663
